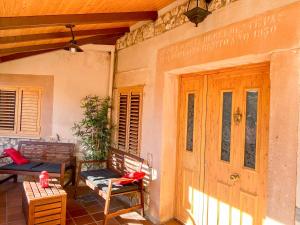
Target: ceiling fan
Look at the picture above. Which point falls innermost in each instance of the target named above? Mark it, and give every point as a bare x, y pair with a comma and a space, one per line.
72, 45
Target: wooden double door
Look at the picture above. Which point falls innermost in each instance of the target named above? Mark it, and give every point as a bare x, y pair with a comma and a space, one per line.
222, 146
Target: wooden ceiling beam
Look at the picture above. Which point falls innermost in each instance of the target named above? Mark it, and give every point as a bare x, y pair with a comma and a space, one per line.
47, 36
98, 39
20, 55
62, 20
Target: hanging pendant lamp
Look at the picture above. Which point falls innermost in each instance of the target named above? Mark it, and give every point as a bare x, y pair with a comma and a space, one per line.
72, 45
197, 14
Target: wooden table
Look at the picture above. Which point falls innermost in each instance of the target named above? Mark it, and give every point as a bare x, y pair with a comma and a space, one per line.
44, 205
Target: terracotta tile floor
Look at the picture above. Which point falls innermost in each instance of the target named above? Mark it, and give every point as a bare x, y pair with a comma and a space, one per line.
86, 210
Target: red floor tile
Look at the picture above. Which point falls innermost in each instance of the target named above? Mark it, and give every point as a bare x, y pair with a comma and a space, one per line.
98, 216
70, 222
94, 208
83, 220
77, 213
91, 203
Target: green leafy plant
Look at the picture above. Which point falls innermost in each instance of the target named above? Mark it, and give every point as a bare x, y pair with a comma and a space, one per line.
94, 130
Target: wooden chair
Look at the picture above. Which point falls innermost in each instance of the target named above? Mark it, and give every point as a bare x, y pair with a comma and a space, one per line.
103, 181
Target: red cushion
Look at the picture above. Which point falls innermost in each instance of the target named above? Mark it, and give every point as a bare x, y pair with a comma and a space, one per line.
16, 156
132, 177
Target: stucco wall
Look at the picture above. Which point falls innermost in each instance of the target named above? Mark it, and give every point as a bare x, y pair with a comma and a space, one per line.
157, 62
75, 76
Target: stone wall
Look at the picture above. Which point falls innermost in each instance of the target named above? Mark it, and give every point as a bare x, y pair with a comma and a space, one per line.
164, 23
8, 142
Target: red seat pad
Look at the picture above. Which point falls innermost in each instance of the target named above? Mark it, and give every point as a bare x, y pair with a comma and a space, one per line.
132, 177
16, 156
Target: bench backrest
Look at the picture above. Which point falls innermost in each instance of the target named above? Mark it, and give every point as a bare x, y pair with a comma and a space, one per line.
123, 162
46, 151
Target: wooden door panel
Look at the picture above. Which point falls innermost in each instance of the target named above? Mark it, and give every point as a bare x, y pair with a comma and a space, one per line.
243, 172
224, 199
188, 181
249, 208
212, 210
222, 179
189, 191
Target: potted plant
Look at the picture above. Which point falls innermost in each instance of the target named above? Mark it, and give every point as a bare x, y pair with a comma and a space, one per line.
94, 130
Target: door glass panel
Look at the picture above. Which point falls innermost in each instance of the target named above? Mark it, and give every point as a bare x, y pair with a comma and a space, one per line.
251, 126
226, 126
190, 122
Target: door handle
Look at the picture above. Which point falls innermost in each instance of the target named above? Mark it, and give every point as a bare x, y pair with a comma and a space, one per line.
237, 116
234, 177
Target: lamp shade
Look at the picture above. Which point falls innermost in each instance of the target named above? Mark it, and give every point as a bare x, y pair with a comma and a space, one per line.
197, 14
73, 47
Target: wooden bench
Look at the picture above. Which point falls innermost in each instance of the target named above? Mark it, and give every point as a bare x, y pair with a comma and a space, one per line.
56, 158
103, 181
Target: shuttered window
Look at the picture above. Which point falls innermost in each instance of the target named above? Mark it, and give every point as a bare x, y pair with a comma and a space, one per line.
20, 111
8, 100
129, 123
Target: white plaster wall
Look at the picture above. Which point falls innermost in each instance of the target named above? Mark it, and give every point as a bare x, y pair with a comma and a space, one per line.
140, 60
75, 76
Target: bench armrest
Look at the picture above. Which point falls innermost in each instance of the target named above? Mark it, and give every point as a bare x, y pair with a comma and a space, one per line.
115, 180
70, 162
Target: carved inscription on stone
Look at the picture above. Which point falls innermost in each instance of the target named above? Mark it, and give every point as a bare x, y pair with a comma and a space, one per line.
232, 36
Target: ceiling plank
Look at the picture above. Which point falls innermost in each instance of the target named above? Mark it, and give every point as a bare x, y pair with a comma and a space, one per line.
98, 39
44, 36
15, 56
91, 18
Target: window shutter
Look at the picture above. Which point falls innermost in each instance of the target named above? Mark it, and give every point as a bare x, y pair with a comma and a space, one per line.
134, 123
8, 102
130, 111
122, 131
30, 111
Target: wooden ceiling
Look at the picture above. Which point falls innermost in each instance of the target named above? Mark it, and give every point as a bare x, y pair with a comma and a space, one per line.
29, 27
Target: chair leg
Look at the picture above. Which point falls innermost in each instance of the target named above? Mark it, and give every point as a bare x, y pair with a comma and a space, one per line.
142, 203
76, 187
142, 198
105, 220
15, 178
73, 176
62, 181
106, 210
62, 174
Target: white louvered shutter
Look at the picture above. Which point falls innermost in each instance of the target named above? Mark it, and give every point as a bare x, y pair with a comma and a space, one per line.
29, 115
